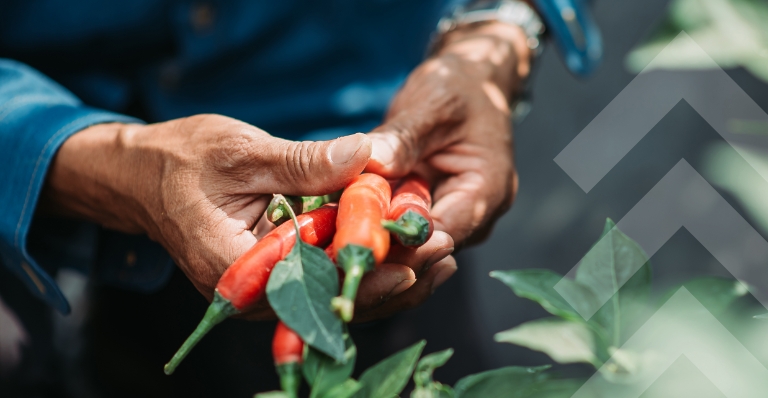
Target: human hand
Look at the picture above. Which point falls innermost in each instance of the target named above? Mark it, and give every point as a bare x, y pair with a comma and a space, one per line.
451, 123
198, 185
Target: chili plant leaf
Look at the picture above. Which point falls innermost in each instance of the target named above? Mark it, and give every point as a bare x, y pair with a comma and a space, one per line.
346, 389
617, 271
272, 394
300, 290
715, 293
324, 374
388, 377
507, 382
563, 340
434, 390
554, 388
427, 365
538, 285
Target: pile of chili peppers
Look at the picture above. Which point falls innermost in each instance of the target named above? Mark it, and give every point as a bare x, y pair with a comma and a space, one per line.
355, 233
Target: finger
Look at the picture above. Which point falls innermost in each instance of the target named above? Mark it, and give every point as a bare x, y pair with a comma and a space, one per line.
419, 259
382, 282
410, 136
309, 167
415, 294
401, 269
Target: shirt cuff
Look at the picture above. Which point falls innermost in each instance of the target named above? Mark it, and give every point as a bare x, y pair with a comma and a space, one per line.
33, 134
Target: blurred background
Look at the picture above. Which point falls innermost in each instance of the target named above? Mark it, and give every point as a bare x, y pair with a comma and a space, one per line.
116, 341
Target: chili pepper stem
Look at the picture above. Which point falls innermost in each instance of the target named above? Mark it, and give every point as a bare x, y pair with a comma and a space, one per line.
290, 378
411, 228
355, 261
344, 305
219, 310
400, 229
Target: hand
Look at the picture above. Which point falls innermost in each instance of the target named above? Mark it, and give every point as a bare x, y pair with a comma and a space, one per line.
200, 185
197, 185
451, 123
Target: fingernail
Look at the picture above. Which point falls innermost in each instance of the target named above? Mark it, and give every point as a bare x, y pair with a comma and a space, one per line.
344, 149
435, 257
443, 276
382, 152
401, 287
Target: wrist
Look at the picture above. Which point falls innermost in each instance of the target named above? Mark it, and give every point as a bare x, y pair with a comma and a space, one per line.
93, 178
498, 51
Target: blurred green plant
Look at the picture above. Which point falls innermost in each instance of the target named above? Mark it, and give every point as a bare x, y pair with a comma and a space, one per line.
732, 32
566, 337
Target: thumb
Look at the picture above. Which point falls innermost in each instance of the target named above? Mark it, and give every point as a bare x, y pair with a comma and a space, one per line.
413, 134
398, 144
312, 167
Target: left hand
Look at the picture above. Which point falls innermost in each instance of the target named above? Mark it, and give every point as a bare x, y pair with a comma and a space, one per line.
451, 123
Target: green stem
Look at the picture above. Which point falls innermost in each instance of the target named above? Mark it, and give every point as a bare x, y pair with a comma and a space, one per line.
281, 198
219, 310
402, 230
411, 228
290, 378
355, 260
277, 211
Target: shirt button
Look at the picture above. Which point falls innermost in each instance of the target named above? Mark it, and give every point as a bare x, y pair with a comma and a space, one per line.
201, 17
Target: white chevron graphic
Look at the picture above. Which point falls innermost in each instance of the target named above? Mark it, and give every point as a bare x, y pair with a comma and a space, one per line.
684, 199
681, 199
684, 327
645, 101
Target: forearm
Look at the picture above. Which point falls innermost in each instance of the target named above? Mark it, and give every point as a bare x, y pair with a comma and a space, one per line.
93, 178
498, 52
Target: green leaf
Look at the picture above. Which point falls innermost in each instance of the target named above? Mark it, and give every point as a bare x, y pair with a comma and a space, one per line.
300, 290
508, 382
563, 340
426, 387
422, 376
324, 374
715, 293
346, 389
435, 390
272, 394
538, 285
388, 377
563, 388
617, 271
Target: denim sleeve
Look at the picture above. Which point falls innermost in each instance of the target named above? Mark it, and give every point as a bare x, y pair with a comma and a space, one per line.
36, 116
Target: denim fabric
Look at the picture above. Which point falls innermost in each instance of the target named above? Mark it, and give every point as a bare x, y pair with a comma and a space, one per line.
36, 116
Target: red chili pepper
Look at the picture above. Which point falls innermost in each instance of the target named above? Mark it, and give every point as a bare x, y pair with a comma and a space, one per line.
361, 242
243, 284
409, 218
288, 351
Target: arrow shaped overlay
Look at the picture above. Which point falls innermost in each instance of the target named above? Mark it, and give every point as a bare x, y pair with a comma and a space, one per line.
683, 198
646, 100
684, 327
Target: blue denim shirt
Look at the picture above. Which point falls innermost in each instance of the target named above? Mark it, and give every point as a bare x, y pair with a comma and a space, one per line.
297, 69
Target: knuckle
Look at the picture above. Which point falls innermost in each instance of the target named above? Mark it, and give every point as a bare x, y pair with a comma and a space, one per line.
298, 161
